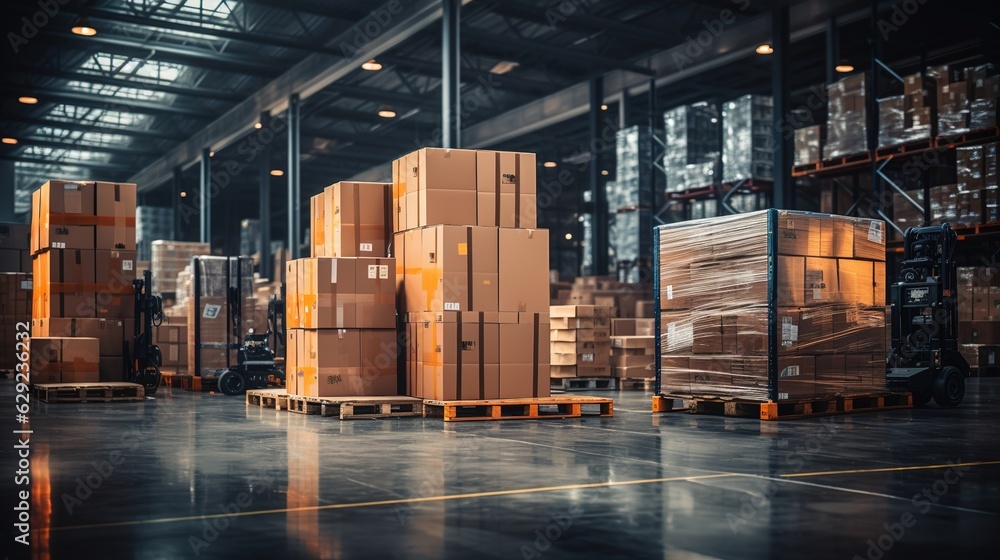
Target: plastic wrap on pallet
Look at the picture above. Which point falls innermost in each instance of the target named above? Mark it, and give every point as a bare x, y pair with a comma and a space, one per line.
983, 113
846, 125
807, 144
169, 258
952, 99
693, 137
629, 233
748, 139
152, 223
211, 310
633, 184
829, 306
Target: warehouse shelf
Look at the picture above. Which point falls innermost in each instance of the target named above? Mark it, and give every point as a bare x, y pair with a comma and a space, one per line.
965, 233
712, 191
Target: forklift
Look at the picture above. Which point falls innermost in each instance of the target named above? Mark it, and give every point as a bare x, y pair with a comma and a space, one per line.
924, 358
255, 364
145, 361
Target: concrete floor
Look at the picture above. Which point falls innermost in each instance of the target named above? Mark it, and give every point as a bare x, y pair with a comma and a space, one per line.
633, 486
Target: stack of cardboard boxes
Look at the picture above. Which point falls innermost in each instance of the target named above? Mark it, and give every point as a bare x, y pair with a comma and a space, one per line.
172, 338
829, 305
808, 144
845, 118
633, 348
207, 312
15, 309
905, 118
472, 274
169, 258
966, 97
83, 246
627, 300
15, 248
581, 341
340, 302
979, 315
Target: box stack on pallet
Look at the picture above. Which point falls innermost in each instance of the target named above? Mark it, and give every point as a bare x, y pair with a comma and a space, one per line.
581, 341
472, 275
170, 258
828, 305
905, 118
340, 302
626, 300
630, 197
83, 245
966, 97
172, 338
15, 248
979, 317
748, 139
808, 144
210, 335
692, 157
845, 123
633, 348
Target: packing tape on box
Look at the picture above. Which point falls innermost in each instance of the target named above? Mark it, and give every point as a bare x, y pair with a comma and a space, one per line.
63, 219
89, 287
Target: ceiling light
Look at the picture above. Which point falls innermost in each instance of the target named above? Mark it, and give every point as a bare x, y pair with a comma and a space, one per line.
581, 219
257, 125
844, 67
604, 172
277, 172
83, 27
28, 100
8, 140
504, 66
211, 154
764, 48
604, 107
569, 236
184, 194
386, 112
371, 65
549, 164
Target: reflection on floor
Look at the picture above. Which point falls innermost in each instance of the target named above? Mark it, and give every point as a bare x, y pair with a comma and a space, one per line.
189, 475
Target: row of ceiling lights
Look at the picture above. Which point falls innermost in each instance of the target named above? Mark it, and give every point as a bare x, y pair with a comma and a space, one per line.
844, 66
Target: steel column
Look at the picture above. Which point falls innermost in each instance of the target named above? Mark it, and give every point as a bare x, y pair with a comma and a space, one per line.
264, 213
598, 195
294, 177
871, 105
451, 82
781, 43
204, 190
832, 50
177, 203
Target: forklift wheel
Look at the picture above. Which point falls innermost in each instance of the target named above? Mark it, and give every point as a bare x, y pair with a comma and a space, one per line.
922, 397
949, 387
232, 382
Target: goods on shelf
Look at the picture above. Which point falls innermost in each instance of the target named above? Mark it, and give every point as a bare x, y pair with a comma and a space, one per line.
846, 128
693, 136
748, 139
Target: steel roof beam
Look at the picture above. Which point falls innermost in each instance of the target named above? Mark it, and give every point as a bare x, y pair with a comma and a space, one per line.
111, 103
103, 79
128, 152
78, 125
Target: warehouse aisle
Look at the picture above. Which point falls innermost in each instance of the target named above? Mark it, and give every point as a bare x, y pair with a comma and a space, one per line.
631, 486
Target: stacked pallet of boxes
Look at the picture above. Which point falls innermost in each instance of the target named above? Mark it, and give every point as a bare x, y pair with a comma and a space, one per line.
83, 244
966, 98
633, 348
845, 122
169, 258
15, 310
625, 299
340, 302
692, 155
472, 274
15, 248
209, 312
808, 144
630, 197
748, 139
581, 341
905, 118
813, 327
979, 316
172, 337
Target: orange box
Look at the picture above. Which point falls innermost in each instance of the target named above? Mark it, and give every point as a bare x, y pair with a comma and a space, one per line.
62, 216
506, 189
524, 272
347, 362
64, 284
453, 268
357, 219
63, 360
115, 216
317, 225
346, 293
458, 355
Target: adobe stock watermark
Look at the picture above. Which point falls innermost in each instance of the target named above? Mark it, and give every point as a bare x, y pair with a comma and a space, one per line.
921, 503
796, 461
370, 28
31, 25
558, 526
214, 527
695, 46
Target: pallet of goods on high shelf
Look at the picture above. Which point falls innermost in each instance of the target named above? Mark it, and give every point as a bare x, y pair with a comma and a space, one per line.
904, 119
845, 122
748, 139
693, 137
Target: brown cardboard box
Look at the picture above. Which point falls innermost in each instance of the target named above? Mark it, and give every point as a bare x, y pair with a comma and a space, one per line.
317, 225
400, 178
357, 219
796, 377
346, 293
454, 268
752, 332
981, 303
831, 372
979, 332
59, 207
524, 278
791, 281
572, 323
707, 332
798, 235
631, 327
869, 239
459, 356
444, 189
505, 188
63, 360
678, 331
294, 344
347, 362
293, 305
857, 281
115, 216
524, 349
821, 282
64, 284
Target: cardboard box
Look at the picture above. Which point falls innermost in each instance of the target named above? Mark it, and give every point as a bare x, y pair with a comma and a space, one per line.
822, 284
707, 332
506, 189
459, 356
791, 281
440, 187
63, 360
63, 216
317, 225
857, 281
109, 333
524, 349
523, 267
796, 377
294, 345
869, 239
357, 218
453, 268
115, 216
347, 362
345, 293
64, 284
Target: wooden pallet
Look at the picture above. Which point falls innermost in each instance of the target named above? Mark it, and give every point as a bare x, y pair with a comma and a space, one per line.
345, 408
785, 410
111, 391
848, 161
177, 381
584, 383
637, 384
901, 149
519, 409
804, 168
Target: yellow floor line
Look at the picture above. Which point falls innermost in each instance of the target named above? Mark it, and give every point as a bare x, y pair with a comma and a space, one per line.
889, 469
474, 495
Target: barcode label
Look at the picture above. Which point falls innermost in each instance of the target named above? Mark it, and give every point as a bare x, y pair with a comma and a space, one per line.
26, 284
211, 311
126, 265
790, 371
365, 247
383, 272
372, 271
58, 244
875, 232
452, 306
670, 291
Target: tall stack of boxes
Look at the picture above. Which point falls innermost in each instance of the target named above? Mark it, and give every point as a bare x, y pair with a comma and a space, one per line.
83, 245
808, 144
15, 248
966, 98
15, 308
472, 274
581, 341
979, 316
828, 305
693, 150
340, 302
845, 120
208, 310
633, 348
748, 139
905, 118
630, 195
169, 258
